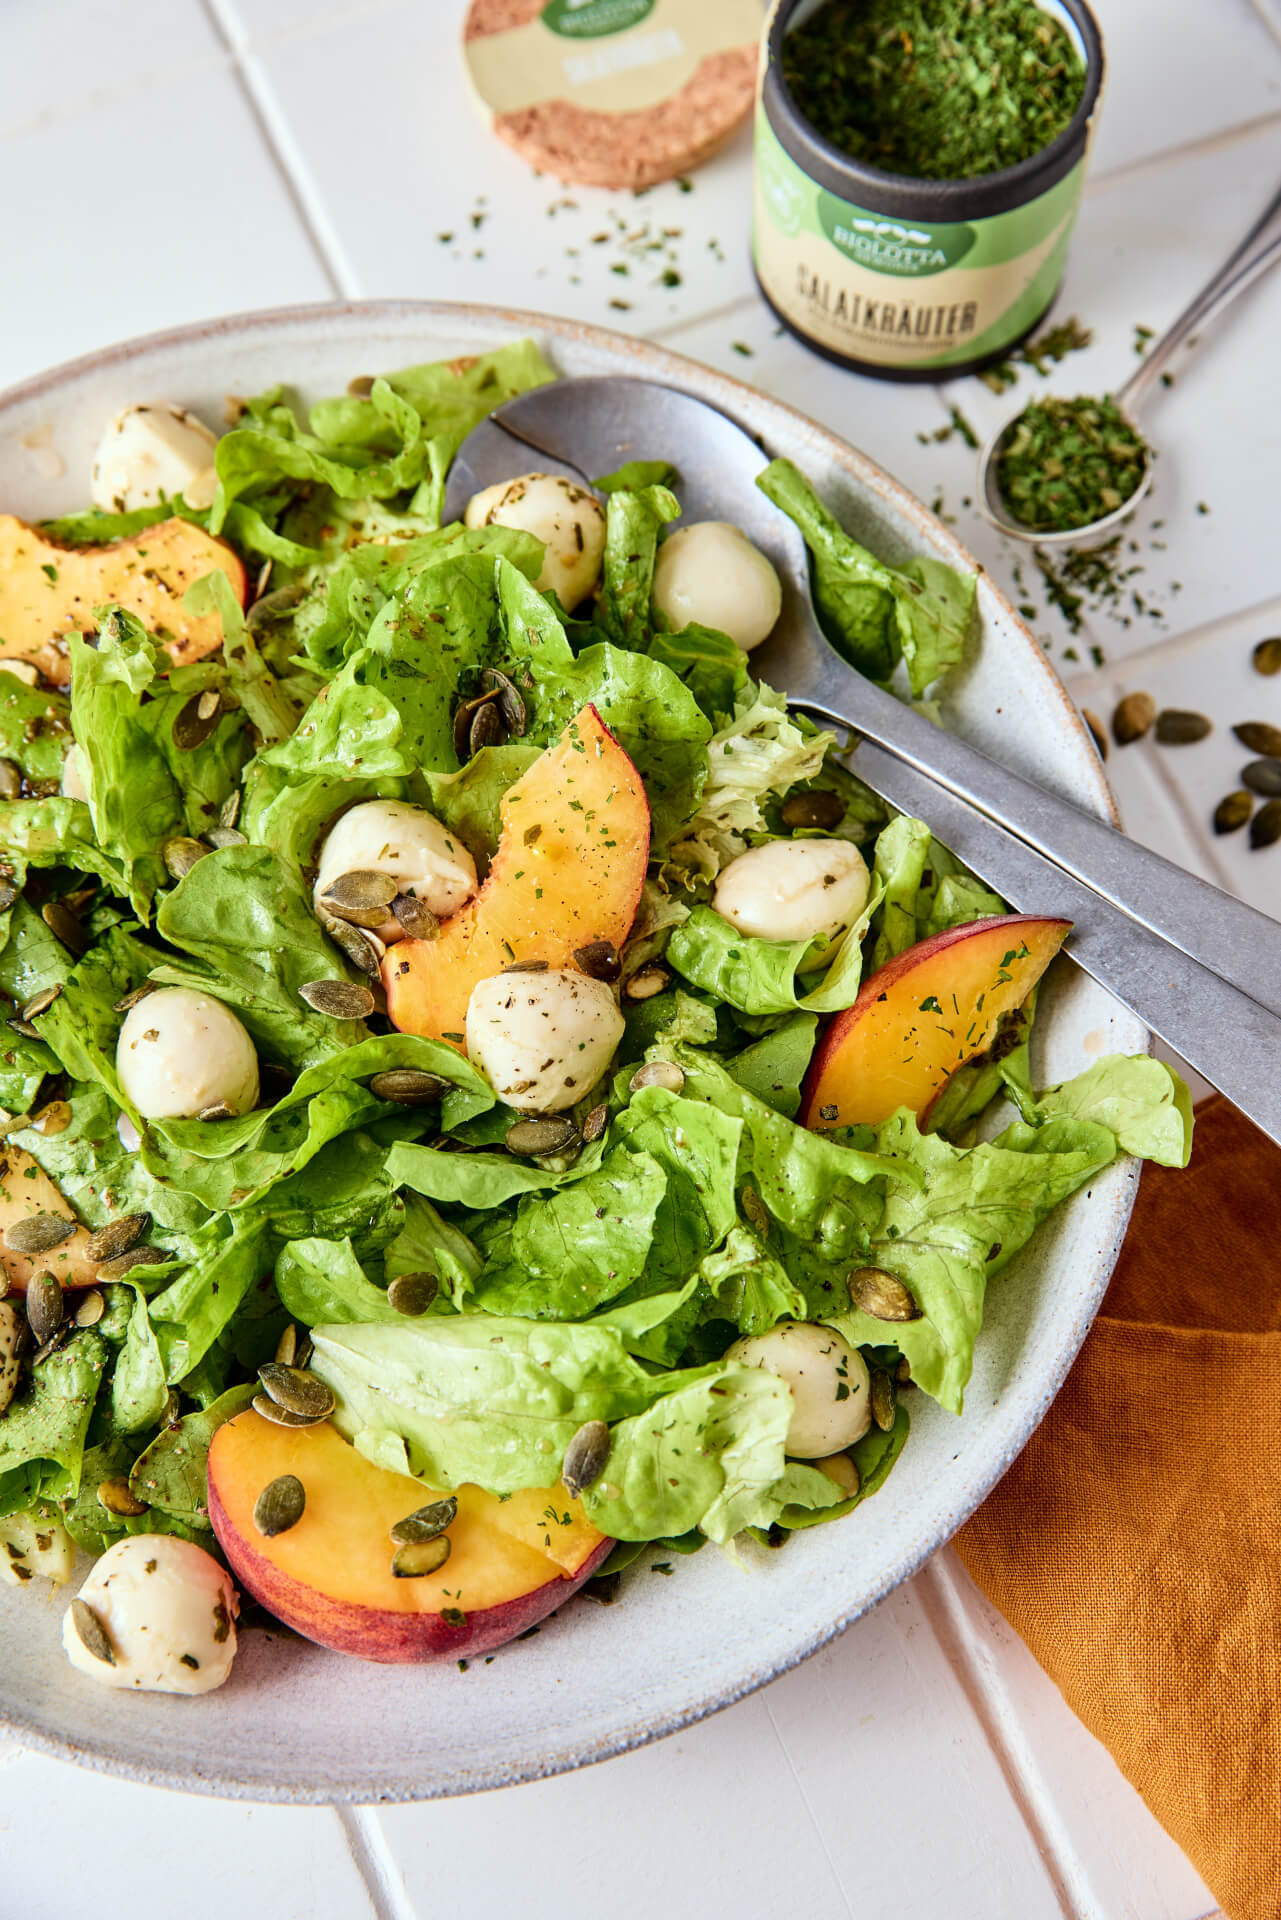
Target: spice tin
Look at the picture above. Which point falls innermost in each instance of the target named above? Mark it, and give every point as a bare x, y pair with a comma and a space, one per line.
908, 278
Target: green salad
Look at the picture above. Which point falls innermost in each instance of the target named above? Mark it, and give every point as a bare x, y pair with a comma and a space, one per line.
237, 1135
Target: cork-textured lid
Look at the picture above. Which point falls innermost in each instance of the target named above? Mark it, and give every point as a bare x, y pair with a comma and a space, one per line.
613, 93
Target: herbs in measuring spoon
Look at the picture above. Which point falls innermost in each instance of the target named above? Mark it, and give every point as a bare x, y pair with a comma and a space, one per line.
938, 89
1066, 463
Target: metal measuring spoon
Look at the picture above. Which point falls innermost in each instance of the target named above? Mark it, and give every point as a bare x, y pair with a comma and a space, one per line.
1260, 249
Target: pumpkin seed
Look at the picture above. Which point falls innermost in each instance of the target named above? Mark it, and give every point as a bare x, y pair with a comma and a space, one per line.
219, 1110
219, 837
275, 607
903, 1371
25, 1028
287, 1347
361, 897
13, 1329
756, 1211
297, 1391
882, 1295
340, 999
197, 720
819, 808
410, 1087
118, 1497
52, 1344
415, 916
280, 1416
486, 728
360, 947
599, 959
91, 1308
425, 1523
10, 780
1177, 727
552, 1134
1132, 718
361, 386
595, 1123
1266, 657
1257, 736
280, 1505
46, 1307
843, 1470
229, 811
91, 1633
124, 1263
421, 1557
658, 1073
645, 984
1233, 811
9, 891
181, 853
510, 705
38, 1233
53, 1119
1265, 828
64, 926
585, 1457
1263, 777
1097, 731
524, 966
465, 719
884, 1399
16, 1122
117, 1236
412, 1293
131, 999
41, 1002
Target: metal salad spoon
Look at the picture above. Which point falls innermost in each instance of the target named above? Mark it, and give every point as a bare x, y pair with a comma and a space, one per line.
1201, 969
1259, 250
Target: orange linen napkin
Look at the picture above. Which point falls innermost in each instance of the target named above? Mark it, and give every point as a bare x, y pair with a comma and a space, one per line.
1136, 1543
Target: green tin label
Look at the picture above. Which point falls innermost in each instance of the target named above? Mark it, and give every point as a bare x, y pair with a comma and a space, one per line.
898, 294
592, 19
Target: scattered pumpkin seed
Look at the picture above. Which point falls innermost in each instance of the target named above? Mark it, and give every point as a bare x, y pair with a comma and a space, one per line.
118, 1497
297, 1391
1263, 777
658, 1073
13, 1330
552, 1134
16, 1122
340, 999
361, 897
486, 728
415, 916
52, 1344
1098, 733
1266, 657
91, 1308
412, 1293
129, 1000
53, 1119
595, 1123
585, 1457
421, 1557
646, 983
181, 853
41, 1002
25, 1028
1258, 736
882, 1295
117, 1236
1132, 718
465, 715
229, 811
10, 780
425, 1523
903, 1371
197, 720
91, 1633
1233, 811
9, 891
219, 1110
1265, 828
280, 1416
280, 1505
124, 1263
844, 1471
64, 926
361, 386
272, 608
599, 959
756, 1210
219, 837
819, 808
410, 1086
524, 966
38, 1233
511, 707
287, 1347
361, 948
884, 1399
1177, 727
46, 1307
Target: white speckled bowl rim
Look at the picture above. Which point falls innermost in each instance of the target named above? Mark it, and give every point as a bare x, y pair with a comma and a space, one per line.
300, 1725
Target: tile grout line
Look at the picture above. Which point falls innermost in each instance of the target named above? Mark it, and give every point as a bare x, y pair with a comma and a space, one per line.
1270, 20
276, 138
1209, 143
813, 1818
374, 1861
1170, 647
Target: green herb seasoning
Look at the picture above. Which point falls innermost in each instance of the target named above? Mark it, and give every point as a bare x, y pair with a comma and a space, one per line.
1066, 463
936, 89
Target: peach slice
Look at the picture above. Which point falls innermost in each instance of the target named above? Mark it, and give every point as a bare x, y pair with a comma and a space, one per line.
511, 1562
47, 592
568, 870
25, 1188
924, 1014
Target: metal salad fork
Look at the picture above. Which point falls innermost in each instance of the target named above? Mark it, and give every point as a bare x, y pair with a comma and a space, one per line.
1200, 968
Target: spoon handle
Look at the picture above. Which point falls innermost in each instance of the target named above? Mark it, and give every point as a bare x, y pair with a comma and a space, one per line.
1229, 1039
1235, 941
1260, 248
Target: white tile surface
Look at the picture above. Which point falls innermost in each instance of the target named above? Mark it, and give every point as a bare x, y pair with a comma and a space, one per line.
61, 57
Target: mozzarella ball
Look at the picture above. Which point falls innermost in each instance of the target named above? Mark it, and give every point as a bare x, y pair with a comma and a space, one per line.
150, 453
710, 575
542, 1040
24, 670
831, 1395
180, 1052
794, 890
409, 845
568, 520
75, 774
169, 1612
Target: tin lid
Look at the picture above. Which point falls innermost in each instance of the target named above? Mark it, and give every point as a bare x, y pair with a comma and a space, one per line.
612, 93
